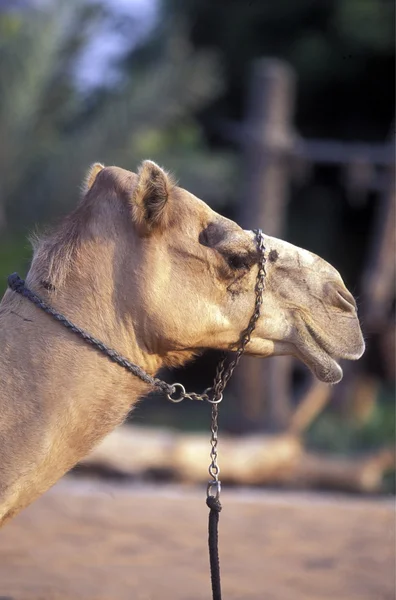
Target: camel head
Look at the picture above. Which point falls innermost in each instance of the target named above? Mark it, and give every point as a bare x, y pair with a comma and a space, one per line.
191, 275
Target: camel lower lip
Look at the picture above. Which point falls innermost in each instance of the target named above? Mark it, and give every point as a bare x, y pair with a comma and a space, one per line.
328, 370
324, 366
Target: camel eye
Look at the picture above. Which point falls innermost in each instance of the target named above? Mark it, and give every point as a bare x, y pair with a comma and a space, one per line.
237, 261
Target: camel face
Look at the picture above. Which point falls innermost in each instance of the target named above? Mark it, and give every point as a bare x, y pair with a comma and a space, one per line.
315, 318
197, 288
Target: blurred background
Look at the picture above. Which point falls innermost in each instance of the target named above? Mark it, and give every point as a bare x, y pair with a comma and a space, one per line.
277, 114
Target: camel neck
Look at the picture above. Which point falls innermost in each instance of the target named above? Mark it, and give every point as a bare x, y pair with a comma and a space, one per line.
93, 297
59, 395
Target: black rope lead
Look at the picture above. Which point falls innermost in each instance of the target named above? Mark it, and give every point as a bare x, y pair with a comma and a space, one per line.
213, 540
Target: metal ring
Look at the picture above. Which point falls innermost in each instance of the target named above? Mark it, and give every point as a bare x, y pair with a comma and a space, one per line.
182, 389
220, 398
211, 484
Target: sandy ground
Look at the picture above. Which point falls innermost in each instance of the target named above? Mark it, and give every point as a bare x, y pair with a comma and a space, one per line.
89, 540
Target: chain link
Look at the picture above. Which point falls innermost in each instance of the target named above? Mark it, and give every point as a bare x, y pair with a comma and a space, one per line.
214, 469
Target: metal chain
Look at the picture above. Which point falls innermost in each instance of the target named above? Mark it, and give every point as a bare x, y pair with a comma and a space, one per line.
214, 469
223, 373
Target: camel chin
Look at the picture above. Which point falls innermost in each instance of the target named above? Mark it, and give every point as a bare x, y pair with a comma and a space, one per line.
325, 368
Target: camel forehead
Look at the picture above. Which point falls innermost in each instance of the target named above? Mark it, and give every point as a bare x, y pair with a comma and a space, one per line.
187, 206
192, 200
119, 175
119, 172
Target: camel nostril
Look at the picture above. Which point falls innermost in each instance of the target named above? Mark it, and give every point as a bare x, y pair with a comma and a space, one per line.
339, 296
345, 299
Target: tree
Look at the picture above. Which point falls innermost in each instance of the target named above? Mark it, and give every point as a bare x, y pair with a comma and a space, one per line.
51, 130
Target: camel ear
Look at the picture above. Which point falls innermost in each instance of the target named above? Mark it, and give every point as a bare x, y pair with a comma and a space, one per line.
151, 195
91, 176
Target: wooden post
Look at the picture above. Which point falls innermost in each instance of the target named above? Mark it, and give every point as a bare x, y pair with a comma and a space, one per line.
378, 285
264, 387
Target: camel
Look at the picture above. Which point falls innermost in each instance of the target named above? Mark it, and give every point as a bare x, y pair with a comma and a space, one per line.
154, 272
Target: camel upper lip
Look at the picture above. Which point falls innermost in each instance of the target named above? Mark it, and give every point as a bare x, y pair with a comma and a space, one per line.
321, 340
320, 358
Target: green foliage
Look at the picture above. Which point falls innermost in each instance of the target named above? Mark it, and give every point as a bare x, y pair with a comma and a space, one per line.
50, 132
340, 434
37, 100
366, 24
336, 432
15, 254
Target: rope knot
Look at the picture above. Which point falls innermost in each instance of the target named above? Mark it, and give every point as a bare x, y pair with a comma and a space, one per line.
15, 282
214, 503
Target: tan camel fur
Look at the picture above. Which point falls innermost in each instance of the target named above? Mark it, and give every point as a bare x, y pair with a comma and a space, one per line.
153, 272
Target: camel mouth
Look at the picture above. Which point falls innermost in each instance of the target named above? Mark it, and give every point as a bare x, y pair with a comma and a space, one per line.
322, 351
317, 353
